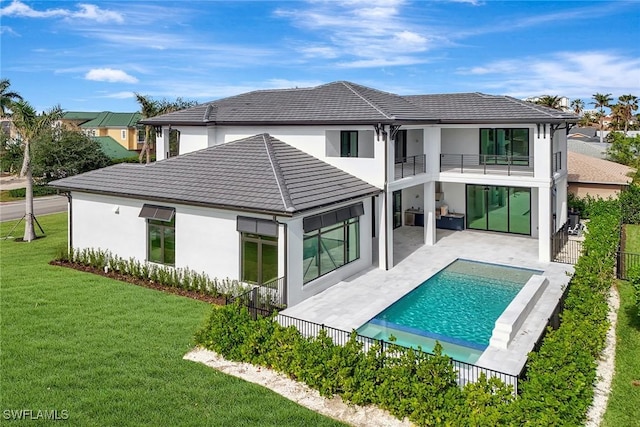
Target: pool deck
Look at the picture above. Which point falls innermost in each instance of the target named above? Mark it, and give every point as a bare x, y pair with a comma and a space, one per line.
352, 302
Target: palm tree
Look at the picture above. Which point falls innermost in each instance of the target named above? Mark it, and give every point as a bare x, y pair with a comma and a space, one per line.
601, 100
148, 108
29, 125
578, 106
551, 101
152, 108
6, 97
628, 104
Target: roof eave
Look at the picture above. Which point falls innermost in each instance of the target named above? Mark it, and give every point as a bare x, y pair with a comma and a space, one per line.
64, 188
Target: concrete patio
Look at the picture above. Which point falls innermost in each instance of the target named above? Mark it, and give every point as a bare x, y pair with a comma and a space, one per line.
351, 303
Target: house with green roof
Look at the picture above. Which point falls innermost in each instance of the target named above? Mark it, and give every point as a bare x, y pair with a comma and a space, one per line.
122, 128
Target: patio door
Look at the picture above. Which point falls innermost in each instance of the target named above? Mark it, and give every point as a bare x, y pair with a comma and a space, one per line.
400, 146
498, 208
397, 209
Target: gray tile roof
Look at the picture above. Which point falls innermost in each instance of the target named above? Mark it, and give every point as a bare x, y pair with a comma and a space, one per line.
259, 174
345, 102
481, 108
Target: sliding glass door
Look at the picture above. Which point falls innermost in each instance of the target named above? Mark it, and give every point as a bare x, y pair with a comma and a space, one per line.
497, 208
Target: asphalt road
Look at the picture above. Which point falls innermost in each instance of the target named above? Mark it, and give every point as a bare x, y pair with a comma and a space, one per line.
41, 206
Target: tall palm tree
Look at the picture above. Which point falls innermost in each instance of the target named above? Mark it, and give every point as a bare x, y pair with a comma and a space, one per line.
551, 101
7, 97
148, 108
628, 104
578, 106
601, 100
29, 125
152, 108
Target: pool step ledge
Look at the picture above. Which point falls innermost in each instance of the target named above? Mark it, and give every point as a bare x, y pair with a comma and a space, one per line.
509, 323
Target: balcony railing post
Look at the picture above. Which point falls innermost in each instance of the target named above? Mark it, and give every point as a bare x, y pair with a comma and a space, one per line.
461, 163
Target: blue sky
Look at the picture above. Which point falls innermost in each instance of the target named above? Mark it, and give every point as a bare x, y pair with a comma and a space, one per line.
92, 55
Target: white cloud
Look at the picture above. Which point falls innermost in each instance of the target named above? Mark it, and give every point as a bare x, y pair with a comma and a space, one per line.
110, 75
120, 95
362, 33
7, 30
94, 13
86, 11
571, 74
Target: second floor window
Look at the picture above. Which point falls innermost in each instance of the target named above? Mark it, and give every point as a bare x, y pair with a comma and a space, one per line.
502, 146
349, 143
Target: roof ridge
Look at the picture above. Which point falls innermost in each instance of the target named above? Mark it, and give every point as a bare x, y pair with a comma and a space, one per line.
277, 172
349, 86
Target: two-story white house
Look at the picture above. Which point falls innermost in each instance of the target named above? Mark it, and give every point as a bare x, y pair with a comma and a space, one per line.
306, 186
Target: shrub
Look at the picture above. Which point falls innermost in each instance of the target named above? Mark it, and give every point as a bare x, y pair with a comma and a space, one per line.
634, 278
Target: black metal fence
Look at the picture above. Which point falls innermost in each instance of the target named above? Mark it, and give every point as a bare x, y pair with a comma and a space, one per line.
263, 300
467, 372
410, 166
564, 248
625, 261
487, 164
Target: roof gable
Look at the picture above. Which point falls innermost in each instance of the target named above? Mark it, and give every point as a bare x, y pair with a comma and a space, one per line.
275, 177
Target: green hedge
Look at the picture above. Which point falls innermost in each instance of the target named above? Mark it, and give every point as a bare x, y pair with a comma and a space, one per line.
180, 278
406, 382
558, 388
38, 190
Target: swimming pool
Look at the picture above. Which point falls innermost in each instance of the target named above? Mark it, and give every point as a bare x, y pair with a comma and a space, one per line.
458, 307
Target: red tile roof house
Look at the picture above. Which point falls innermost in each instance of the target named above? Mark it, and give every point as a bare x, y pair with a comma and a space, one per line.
307, 185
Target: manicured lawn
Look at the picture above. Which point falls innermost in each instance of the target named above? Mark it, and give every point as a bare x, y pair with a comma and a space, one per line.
111, 353
632, 237
624, 408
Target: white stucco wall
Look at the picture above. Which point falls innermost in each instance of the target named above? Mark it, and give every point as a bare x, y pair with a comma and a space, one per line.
206, 239
109, 223
193, 138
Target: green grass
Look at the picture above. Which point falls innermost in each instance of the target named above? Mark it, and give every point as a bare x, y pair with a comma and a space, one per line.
111, 353
632, 238
623, 408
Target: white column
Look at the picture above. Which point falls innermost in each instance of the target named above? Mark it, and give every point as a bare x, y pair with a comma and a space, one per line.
162, 144
544, 224
542, 151
429, 213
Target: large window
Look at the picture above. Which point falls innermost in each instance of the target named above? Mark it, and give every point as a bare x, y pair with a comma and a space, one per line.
331, 240
496, 208
259, 258
504, 146
162, 241
349, 143
161, 233
329, 248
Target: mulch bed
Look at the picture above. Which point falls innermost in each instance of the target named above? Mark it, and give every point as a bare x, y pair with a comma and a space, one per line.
140, 282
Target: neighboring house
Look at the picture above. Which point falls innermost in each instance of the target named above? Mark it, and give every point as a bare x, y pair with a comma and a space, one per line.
121, 127
596, 177
322, 176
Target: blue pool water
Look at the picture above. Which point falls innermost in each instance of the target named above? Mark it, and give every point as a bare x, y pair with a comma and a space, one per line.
458, 307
